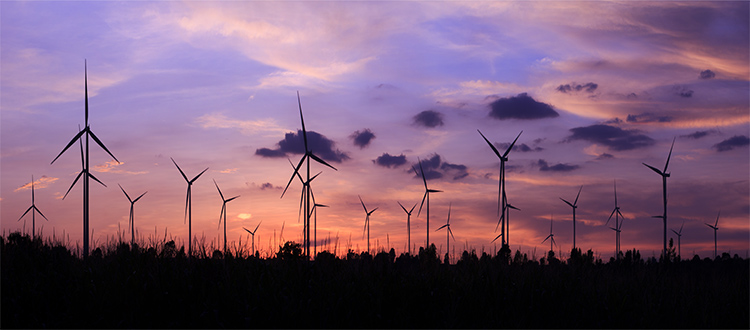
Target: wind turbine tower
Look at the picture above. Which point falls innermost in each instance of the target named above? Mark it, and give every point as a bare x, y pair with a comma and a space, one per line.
715, 227
33, 210
427, 192
224, 214
574, 206
189, 205
131, 219
664, 175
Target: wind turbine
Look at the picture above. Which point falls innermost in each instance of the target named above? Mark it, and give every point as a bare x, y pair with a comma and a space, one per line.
131, 221
33, 210
679, 236
715, 227
303, 197
408, 223
574, 206
427, 192
501, 202
449, 231
367, 222
664, 176
87, 132
508, 206
308, 155
189, 204
253, 233
618, 223
224, 213
551, 236
315, 225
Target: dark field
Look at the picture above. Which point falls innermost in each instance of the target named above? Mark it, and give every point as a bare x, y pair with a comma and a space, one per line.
45, 286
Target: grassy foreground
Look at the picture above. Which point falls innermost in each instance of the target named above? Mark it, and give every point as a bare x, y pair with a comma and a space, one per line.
45, 286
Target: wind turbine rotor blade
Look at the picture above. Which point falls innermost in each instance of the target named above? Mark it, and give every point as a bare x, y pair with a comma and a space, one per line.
615, 193
420, 205
546, 239
717, 220
513, 207
505, 155
139, 197
40, 213
223, 210
421, 169
302, 119
412, 208
231, 199
676, 233
317, 159
669, 156
566, 202
451, 232
73, 184
95, 179
610, 216
187, 200
498, 236
683, 224
256, 227
99, 142
178, 168
363, 204
553, 240
314, 176
502, 216
296, 172
441, 227
618, 212
251, 233
399, 203
654, 169
433, 191
491, 145
126, 194
76, 137
579, 194
198, 176
24, 213
217, 188
373, 210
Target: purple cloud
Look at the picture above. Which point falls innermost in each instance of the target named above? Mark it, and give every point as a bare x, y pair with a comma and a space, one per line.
428, 118
521, 106
362, 139
732, 142
293, 143
386, 160
613, 137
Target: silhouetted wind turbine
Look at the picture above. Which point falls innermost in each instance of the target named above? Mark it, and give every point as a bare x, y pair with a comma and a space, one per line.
131, 219
33, 210
315, 225
664, 176
189, 204
308, 154
449, 231
88, 133
618, 223
715, 227
427, 192
367, 222
574, 206
501, 202
679, 236
224, 213
254, 231
408, 224
508, 206
551, 236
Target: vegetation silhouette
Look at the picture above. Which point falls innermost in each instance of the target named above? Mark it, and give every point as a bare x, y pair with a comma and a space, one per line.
45, 285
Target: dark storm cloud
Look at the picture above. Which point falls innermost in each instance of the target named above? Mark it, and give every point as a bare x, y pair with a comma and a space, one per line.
559, 167
613, 137
697, 134
568, 88
521, 106
293, 143
435, 168
648, 117
732, 142
523, 147
428, 118
386, 160
363, 138
707, 74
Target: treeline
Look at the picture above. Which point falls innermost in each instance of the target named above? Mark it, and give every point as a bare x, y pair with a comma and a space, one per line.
121, 286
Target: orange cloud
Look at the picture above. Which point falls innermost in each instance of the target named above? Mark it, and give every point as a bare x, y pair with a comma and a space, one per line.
112, 167
43, 182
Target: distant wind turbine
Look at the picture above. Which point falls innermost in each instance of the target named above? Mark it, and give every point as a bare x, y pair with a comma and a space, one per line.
253, 233
88, 133
367, 222
308, 155
508, 207
664, 175
715, 227
33, 210
224, 213
679, 236
618, 223
189, 204
447, 225
574, 206
551, 236
427, 192
131, 219
315, 224
408, 224
303, 197
501, 202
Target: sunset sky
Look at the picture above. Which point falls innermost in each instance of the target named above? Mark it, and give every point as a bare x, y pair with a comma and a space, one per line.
598, 88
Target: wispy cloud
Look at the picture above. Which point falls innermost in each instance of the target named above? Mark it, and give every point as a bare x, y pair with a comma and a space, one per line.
43, 182
246, 127
114, 167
